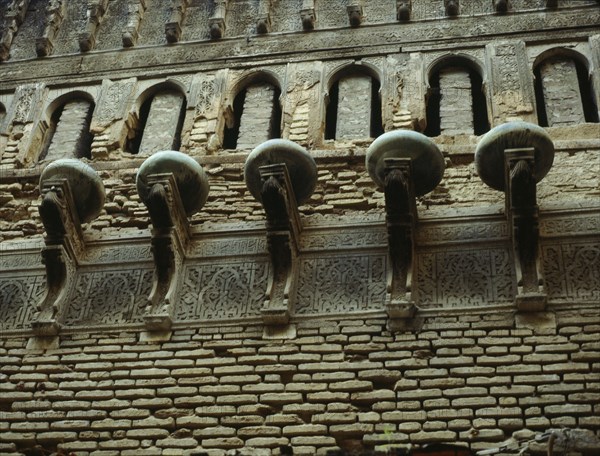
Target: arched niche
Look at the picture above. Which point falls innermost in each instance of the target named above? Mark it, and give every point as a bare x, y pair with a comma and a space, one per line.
353, 103
564, 92
456, 101
67, 127
255, 113
157, 120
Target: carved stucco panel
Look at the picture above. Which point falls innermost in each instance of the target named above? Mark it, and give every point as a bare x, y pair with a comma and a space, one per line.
223, 290
464, 278
339, 284
572, 270
19, 297
109, 297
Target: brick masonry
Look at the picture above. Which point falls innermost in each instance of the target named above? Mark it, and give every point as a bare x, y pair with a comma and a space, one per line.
472, 379
472, 376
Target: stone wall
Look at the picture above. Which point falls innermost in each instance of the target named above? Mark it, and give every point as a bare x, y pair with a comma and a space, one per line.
562, 98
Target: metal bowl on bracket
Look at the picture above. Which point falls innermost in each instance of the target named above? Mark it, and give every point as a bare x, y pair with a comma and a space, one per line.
85, 183
300, 165
489, 155
191, 179
428, 163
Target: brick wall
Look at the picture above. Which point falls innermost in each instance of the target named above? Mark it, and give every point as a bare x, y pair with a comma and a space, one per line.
345, 383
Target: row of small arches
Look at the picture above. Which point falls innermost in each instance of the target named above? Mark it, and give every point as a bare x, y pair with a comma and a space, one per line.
455, 83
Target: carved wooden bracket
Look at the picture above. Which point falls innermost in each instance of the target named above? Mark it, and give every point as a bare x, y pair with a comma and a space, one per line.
173, 26
72, 194
263, 24
55, 12
136, 10
451, 7
64, 247
401, 220
512, 158
403, 9
355, 15
170, 237
406, 164
522, 213
308, 15
14, 18
216, 22
501, 6
283, 231
173, 186
95, 13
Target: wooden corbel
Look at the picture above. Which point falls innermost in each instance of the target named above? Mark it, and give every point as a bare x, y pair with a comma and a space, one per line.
308, 15
72, 193
401, 220
55, 12
512, 158
281, 174
95, 13
172, 185
355, 14
451, 7
263, 24
173, 26
406, 164
283, 231
403, 10
522, 213
216, 22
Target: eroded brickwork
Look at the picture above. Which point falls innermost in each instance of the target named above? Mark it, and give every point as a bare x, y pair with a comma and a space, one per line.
354, 108
258, 116
472, 379
456, 103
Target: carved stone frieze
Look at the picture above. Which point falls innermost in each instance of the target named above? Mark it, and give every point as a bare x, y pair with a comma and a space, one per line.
109, 297
510, 82
238, 246
465, 278
118, 254
18, 296
373, 237
222, 290
341, 284
572, 270
141, 60
570, 225
485, 230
